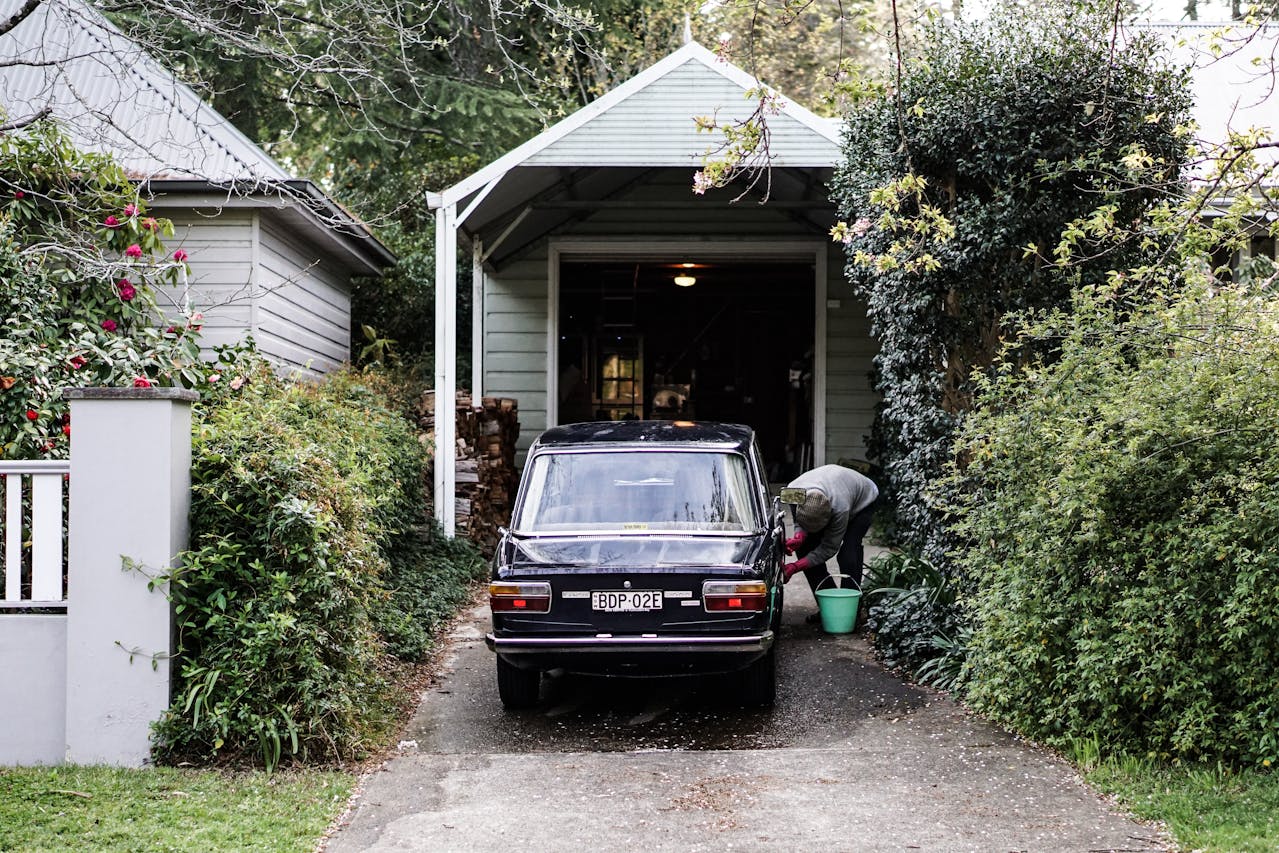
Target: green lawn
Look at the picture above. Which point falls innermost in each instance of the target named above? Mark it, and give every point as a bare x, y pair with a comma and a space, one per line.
101, 809
1205, 809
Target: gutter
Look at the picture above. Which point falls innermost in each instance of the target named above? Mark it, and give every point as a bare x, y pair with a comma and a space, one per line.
328, 218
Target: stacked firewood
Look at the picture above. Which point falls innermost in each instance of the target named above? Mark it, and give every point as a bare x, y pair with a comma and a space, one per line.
484, 457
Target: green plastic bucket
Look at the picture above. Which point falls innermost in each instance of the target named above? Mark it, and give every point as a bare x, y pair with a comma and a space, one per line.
838, 606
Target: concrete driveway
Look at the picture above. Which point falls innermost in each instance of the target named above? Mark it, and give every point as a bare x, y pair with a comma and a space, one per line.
850, 759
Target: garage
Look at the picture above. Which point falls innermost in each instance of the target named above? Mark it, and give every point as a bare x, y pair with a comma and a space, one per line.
692, 339
603, 287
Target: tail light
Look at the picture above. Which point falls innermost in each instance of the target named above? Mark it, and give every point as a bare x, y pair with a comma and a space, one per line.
520, 597
738, 596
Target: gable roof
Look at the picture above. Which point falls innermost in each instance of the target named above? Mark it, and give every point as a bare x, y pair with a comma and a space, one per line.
68, 61
648, 121
111, 97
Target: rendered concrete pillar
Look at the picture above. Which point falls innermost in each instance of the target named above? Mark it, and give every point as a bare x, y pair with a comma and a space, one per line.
130, 495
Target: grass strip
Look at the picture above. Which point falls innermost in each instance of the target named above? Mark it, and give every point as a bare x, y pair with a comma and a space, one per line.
1205, 808
108, 809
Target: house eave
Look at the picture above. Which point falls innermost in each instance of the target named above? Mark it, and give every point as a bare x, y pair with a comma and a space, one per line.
298, 202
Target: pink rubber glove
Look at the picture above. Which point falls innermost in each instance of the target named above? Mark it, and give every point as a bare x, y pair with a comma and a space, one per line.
793, 543
791, 569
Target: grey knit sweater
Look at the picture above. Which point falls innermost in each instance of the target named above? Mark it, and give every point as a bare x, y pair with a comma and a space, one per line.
849, 493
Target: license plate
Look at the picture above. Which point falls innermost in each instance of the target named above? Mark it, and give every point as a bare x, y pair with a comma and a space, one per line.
629, 600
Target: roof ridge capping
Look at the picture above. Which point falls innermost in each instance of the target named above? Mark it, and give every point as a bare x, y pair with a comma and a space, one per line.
691, 52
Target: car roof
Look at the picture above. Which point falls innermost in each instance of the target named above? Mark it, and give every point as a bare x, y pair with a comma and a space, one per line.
682, 433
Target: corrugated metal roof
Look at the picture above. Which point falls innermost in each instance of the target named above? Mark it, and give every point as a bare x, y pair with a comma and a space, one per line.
114, 98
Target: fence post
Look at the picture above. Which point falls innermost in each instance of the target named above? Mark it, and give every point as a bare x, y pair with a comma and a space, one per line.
130, 495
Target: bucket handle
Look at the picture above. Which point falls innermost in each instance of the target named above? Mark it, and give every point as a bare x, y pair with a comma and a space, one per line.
831, 577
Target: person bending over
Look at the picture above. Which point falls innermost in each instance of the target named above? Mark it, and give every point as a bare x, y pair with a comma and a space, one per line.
832, 507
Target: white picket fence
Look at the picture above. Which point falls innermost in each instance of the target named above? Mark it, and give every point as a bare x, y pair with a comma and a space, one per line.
33, 534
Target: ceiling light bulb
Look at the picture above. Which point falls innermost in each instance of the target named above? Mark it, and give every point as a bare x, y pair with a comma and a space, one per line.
685, 280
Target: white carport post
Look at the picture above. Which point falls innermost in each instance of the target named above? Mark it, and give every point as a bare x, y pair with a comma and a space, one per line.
445, 365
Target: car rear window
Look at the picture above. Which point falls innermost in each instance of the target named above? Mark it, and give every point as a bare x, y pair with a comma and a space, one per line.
636, 491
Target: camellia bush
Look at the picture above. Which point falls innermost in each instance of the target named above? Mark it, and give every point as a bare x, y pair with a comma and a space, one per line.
977, 186
78, 257
1120, 506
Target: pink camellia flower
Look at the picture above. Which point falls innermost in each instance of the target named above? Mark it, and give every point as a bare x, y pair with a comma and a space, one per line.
142, 382
111, 222
134, 251
130, 210
196, 322
33, 415
214, 377
19, 194
126, 290
150, 224
77, 362
109, 324
180, 256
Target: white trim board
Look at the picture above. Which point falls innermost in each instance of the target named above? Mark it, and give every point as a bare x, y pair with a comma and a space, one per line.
666, 250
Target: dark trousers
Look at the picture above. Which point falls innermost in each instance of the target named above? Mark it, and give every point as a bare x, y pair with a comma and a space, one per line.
851, 554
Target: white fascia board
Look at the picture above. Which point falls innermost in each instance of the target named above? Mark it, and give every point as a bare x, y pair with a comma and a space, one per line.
691, 51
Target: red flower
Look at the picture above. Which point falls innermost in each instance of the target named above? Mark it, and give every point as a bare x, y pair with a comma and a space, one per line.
33, 415
127, 291
77, 362
109, 324
111, 222
66, 417
150, 224
172, 330
142, 382
66, 430
19, 194
130, 210
180, 256
134, 251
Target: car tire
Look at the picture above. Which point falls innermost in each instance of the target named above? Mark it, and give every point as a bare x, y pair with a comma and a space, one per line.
759, 681
518, 688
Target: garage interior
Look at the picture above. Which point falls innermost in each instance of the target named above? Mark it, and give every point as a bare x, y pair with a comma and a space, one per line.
689, 340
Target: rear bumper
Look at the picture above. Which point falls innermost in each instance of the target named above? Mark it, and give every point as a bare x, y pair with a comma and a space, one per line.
650, 643
633, 654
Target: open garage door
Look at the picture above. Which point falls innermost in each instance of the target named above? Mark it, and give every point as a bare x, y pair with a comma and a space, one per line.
722, 341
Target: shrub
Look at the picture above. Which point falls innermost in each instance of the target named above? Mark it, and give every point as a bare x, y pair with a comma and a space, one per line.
1120, 515
311, 556
914, 619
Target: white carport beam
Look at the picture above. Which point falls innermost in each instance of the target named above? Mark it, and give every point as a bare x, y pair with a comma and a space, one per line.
476, 202
445, 485
477, 321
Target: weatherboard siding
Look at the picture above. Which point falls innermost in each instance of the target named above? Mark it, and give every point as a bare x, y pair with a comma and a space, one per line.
850, 350
638, 131
515, 339
304, 304
294, 300
220, 279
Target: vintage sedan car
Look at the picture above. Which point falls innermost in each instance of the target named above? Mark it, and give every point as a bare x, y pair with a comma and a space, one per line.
639, 548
